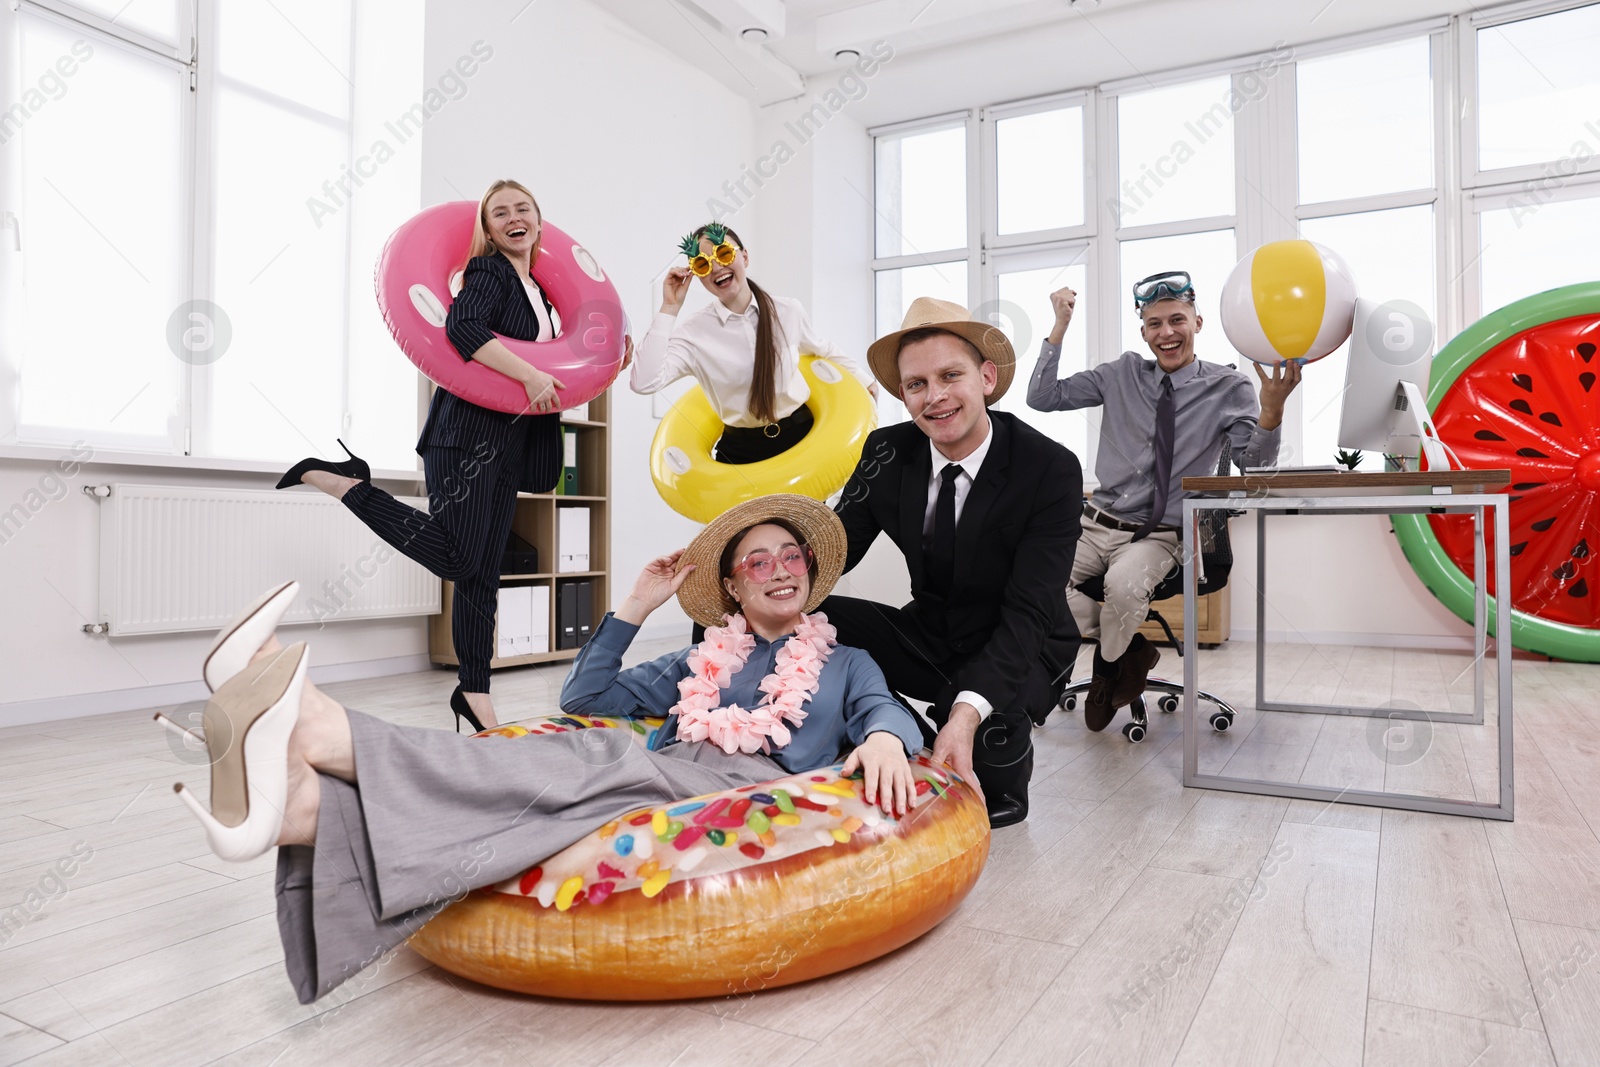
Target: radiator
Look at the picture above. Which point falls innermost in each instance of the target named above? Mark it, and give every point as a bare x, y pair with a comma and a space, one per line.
178, 558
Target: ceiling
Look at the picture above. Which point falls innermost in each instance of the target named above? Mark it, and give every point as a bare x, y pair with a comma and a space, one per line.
956, 53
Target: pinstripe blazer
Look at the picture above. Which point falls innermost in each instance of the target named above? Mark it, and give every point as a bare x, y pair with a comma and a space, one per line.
493, 300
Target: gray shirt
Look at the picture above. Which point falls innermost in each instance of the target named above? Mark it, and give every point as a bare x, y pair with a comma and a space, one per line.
1211, 403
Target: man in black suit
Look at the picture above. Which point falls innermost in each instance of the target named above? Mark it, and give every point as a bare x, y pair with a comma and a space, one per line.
986, 511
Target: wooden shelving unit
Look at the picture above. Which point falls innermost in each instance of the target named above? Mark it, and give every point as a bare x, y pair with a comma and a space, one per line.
536, 521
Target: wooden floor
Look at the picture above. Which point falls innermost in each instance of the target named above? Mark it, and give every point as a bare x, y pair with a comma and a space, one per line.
1128, 921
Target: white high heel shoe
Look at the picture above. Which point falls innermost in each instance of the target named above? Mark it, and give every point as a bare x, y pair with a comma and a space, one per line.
249, 630
247, 726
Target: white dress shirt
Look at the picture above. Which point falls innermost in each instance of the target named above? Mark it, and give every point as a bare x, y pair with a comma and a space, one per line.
717, 348
969, 471
548, 325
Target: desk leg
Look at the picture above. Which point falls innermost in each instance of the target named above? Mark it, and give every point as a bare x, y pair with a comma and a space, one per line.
1261, 608
1502, 644
1191, 636
1480, 612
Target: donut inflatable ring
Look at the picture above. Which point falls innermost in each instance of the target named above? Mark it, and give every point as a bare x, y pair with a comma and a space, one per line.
1516, 390
698, 487
414, 282
747, 889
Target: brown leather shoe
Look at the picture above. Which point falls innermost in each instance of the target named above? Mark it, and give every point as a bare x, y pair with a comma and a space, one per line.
1133, 670
1098, 708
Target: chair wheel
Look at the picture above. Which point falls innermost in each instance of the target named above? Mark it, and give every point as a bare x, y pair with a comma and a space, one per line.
1071, 703
1221, 721
1133, 732
1168, 703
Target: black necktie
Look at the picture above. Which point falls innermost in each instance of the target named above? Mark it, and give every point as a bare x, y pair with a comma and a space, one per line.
1166, 430
942, 552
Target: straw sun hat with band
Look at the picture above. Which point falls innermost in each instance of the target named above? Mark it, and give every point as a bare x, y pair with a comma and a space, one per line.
702, 595
883, 355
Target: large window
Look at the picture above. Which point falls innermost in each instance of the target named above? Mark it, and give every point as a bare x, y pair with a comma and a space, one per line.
1175, 154
1528, 249
121, 230
1538, 88
1453, 164
1023, 284
1537, 164
922, 190
1365, 121
1039, 170
174, 291
1380, 99
1391, 253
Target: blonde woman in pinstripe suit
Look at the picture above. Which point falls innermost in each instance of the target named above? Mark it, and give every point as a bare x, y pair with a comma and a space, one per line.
476, 460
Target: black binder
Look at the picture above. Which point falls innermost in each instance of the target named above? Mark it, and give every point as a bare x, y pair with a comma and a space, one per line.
519, 557
585, 595
567, 615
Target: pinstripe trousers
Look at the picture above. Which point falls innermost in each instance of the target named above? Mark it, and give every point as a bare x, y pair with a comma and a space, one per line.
472, 496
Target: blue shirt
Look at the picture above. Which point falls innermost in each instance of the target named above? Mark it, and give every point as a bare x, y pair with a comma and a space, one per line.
852, 699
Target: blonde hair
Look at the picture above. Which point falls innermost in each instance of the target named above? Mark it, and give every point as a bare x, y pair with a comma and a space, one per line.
481, 244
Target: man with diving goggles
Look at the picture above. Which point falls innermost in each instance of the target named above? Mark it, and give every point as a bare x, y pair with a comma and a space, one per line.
1165, 419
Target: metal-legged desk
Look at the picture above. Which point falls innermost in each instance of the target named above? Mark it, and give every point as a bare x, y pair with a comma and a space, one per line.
1442, 493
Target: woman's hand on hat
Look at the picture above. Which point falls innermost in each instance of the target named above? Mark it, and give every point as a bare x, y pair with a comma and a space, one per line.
658, 583
885, 771
674, 289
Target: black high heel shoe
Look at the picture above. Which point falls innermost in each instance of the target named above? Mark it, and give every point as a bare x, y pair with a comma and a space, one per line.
354, 467
463, 710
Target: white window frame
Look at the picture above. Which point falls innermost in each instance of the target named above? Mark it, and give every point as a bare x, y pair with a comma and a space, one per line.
1489, 190
175, 55
1266, 165
989, 120
194, 52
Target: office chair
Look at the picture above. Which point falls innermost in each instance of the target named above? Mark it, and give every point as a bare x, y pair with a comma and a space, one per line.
1216, 560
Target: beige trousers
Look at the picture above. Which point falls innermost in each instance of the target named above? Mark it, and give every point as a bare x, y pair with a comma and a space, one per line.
1132, 570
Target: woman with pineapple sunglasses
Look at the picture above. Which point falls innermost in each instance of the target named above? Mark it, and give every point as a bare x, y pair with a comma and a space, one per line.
743, 350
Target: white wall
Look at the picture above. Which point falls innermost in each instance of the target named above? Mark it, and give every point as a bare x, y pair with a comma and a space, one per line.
49, 579
623, 145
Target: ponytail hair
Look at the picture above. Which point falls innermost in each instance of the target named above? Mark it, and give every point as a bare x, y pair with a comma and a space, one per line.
764, 373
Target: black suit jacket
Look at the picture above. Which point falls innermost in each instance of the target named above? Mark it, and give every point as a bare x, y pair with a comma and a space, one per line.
1007, 608
492, 300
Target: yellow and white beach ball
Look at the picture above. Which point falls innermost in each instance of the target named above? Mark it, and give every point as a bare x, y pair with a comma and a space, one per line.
1289, 300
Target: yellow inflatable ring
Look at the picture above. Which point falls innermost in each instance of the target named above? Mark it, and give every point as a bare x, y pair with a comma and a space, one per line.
696, 486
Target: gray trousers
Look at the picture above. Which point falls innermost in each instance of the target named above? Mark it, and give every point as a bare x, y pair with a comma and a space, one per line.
434, 815
1132, 571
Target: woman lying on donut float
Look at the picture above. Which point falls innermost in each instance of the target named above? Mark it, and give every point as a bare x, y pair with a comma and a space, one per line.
374, 820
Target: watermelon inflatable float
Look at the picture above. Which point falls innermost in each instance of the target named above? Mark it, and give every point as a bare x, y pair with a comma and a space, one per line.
1517, 390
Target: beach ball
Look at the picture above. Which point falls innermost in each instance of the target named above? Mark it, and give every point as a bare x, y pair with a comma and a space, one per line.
1289, 300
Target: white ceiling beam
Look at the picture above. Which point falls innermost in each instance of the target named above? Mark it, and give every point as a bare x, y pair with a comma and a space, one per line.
747, 68
927, 23
768, 16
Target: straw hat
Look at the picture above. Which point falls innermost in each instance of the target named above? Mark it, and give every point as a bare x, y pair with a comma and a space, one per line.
926, 312
702, 595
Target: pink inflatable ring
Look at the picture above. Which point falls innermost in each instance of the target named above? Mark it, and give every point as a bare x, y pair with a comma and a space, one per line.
414, 282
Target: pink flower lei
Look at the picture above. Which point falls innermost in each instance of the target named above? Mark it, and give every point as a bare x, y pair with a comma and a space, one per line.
796, 674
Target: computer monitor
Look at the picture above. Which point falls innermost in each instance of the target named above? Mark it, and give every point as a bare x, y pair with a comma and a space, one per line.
1391, 345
